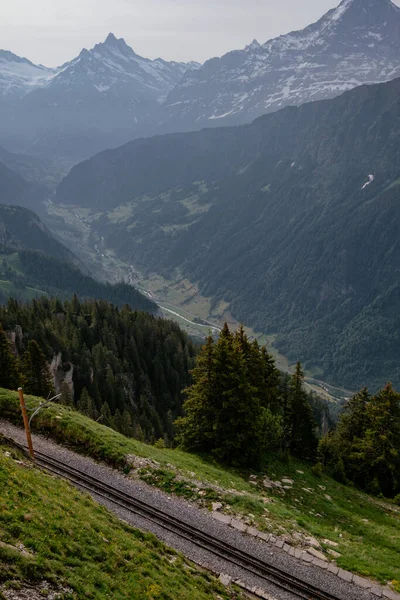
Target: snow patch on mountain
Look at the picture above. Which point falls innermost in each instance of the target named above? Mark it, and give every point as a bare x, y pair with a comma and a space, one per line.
18, 76
370, 180
356, 43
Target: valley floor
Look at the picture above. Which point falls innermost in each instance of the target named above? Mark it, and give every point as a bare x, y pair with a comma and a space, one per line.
179, 299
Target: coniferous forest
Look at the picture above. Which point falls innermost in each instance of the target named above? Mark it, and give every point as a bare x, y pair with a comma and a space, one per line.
127, 367
142, 376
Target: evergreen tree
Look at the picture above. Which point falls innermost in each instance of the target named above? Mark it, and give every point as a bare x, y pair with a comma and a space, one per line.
35, 372
365, 448
105, 413
66, 398
85, 405
379, 449
225, 410
196, 428
299, 421
9, 372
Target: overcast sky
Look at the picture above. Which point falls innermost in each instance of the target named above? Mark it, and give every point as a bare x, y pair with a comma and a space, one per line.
54, 31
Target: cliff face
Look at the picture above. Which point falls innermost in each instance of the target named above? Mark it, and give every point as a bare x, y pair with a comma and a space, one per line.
61, 372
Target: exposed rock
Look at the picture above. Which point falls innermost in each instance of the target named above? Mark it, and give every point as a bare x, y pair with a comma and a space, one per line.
216, 506
225, 579
316, 553
311, 541
330, 543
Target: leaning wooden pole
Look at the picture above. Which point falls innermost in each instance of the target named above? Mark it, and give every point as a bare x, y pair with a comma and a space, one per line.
26, 422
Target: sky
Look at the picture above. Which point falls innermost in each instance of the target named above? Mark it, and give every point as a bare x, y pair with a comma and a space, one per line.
52, 32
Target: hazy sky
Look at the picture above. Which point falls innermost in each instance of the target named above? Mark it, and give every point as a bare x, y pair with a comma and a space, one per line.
54, 31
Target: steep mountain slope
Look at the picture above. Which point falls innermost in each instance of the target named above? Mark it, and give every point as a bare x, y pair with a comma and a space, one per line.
33, 262
26, 230
47, 172
100, 99
292, 220
18, 76
14, 189
356, 43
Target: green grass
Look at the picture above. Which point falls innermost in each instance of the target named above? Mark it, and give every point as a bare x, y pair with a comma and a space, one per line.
25, 293
367, 530
51, 532
394, 184
13, 261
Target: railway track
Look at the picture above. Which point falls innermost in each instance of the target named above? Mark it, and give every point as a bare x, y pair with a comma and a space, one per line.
255, 566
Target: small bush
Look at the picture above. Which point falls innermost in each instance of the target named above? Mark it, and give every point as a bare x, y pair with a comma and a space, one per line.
317, 470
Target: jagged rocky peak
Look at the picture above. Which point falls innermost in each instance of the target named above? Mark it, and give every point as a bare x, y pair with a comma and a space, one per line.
253, 46
356, 42
365, 12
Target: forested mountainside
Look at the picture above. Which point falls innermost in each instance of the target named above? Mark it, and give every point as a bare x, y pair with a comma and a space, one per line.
33, 263
293, 220
23, 229
121, 364
15, 189
46, 171
355, 43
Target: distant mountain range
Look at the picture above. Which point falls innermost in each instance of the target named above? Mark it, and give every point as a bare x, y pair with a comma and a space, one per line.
97, 100
109, 95
293, 222
358, 42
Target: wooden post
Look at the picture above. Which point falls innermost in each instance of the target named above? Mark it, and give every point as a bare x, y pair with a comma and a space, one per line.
26, 422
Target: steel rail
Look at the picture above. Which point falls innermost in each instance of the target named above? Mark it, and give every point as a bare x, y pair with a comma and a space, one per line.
255, 566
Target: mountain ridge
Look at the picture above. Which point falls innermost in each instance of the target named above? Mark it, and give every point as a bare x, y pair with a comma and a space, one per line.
345, 48
101, 98
290, 220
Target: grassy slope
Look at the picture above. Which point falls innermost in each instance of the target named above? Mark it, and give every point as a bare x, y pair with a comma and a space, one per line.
366, 530
8, 287
68, 540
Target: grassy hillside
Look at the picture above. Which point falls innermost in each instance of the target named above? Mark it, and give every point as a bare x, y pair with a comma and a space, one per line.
363, 530
54, 538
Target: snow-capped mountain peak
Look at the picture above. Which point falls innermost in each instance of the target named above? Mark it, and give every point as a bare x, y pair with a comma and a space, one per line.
355, 43
19, 76
103, 97
253, 46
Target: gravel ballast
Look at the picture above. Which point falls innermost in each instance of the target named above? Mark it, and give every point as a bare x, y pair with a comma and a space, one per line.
201, 519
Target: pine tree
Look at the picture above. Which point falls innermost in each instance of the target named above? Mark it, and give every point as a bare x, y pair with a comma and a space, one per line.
105, 413
224, 411
196, 429
379, 450
9, 372
35, 372
66, 398
299, 424
85, 404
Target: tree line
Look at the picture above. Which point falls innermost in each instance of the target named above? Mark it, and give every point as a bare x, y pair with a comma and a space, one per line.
142, 376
